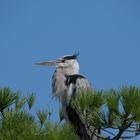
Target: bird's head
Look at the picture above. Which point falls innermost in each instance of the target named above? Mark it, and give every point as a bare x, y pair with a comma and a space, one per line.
67, 64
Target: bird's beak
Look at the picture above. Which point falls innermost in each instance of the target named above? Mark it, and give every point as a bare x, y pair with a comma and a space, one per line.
48, 63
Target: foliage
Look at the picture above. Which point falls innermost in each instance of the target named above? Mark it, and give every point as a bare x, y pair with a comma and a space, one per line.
116, 113
42, 115
7, 98
17, 123
31, 101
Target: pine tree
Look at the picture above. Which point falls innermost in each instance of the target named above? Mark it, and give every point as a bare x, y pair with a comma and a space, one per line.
116, 113
17, 123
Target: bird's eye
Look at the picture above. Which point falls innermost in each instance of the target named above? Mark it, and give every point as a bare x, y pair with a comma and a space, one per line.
63, 61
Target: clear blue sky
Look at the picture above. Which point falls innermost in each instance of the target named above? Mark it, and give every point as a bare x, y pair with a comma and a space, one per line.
106, 32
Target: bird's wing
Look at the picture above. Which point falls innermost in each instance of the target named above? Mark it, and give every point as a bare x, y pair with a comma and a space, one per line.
75, 83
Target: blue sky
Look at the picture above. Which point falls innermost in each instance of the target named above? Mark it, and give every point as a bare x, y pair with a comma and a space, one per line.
107, 34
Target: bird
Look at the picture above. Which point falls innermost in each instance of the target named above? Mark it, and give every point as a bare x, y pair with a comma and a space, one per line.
66, 82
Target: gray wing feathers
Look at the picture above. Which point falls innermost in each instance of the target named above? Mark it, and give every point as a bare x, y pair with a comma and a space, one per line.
83, 83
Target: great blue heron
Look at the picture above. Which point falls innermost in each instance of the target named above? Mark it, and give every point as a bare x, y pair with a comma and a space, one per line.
66, 82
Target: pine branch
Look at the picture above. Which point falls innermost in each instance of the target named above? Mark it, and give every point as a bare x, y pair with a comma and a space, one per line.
122, 129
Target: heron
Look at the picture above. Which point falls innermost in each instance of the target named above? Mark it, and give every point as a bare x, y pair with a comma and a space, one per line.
67, 81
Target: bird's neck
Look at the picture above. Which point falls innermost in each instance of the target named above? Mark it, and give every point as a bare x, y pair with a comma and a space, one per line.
68, 71
59, 86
